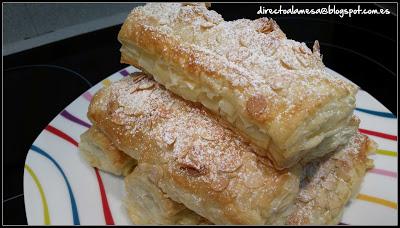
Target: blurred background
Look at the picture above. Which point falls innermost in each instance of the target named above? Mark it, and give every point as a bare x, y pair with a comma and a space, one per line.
53, 52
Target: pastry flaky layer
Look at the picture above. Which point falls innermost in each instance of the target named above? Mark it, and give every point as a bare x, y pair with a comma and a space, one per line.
326, 187
194, 159
274, 91
145, 202
99, 152
186, 157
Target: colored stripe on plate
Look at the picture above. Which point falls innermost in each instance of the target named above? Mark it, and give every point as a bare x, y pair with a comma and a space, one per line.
46, 216
61, 134
73, 118
378, 134
106, 82
377, 113
377, 200
383, 172
386, 152
87, 96
124, 73
75, 215
106, 209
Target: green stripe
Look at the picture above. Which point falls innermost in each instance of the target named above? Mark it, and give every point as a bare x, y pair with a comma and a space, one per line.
387, 152
44, 202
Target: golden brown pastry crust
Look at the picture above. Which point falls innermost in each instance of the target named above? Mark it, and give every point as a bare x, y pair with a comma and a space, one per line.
273, 90
195, 160
99, 152
327, 186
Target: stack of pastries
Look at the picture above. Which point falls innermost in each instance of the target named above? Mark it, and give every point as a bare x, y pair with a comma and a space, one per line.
229, 122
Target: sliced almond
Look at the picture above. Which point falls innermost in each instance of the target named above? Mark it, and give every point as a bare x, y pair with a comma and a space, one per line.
146, 85
206, 25
219, 182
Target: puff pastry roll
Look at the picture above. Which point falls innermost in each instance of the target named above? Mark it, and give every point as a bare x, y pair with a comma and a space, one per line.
327, 185
195, 160
272, 90
99, 152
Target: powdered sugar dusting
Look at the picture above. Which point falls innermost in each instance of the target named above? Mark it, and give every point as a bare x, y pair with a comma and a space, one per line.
192, 142
246, 53
327, 184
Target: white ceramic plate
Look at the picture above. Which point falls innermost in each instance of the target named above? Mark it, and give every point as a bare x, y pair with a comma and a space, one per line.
60, 188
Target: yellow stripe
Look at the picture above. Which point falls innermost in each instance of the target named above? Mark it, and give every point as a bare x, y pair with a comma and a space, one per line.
44, 202
106, 82
387, 152
380, 201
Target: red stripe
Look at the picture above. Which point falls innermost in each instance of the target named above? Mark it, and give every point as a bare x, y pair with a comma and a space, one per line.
378, 134
106, 209
61, 134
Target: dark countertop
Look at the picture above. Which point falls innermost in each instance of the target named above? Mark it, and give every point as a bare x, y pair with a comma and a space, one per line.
362, 48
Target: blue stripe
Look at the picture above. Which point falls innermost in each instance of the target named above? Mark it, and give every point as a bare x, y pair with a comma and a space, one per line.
71, 194
376, 113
